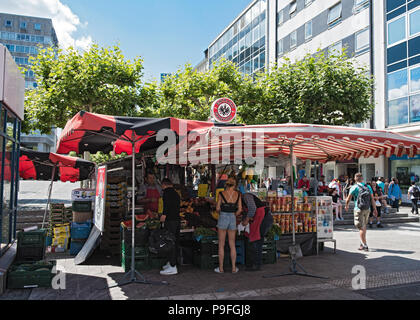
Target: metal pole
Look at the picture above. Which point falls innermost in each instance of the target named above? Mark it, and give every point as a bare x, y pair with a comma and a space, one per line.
133, 211
292, 193
316, 178
49, 196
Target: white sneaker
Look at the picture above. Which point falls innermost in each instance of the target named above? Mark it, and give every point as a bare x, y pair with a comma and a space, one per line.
166, 266
169, 271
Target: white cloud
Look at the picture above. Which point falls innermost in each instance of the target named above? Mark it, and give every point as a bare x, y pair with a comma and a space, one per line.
66, 23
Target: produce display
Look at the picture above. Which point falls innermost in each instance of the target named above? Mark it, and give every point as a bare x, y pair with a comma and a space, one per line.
284, 204
304, 222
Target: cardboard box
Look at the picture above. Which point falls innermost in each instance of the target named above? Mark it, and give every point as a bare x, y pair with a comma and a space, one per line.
83, 195
80, 217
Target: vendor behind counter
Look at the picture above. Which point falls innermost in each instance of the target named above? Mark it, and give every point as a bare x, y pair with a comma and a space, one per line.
149, 193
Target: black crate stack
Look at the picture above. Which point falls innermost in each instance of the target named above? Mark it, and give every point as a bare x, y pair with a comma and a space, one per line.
115, 209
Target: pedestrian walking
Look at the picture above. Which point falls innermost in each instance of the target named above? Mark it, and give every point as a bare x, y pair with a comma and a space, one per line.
363, 197
377, 196
394, 193
414, 196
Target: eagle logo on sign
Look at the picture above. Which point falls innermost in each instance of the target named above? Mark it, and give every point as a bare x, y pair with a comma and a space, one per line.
224, 110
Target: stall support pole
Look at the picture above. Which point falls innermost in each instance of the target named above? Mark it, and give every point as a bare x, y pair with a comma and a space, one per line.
293, 250
133, 275
49, 196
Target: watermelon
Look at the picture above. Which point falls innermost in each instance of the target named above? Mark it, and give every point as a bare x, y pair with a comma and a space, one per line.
142, 217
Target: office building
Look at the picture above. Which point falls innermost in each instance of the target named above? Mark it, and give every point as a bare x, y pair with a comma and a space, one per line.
381, 35
23, 36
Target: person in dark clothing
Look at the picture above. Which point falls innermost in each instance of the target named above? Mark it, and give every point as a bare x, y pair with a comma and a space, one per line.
172, 222
251, 204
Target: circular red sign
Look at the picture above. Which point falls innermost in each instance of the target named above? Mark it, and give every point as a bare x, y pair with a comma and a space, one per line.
224, 110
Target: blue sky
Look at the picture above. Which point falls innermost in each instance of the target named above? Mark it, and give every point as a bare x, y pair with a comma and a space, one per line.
165, 33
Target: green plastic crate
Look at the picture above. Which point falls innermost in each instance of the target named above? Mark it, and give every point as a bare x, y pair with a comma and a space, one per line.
31, 238
209, 261
82, 206
139, 263
21, 276
138, 251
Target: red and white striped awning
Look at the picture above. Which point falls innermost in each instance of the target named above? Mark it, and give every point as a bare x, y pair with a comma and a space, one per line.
311, 142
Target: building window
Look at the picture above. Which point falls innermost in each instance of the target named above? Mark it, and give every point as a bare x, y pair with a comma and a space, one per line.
280, 47
308, 30
23, 25
415, 79
362, 40
396, 31
415, 108
293, 39
280, 17
292, 8
10, 47
415, 22
37, 26
359, 4
8, 23
308, 2
398, 112
336, 49
397, 84
334, 14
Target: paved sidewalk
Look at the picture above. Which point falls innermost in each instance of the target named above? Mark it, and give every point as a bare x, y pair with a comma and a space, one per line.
394, 259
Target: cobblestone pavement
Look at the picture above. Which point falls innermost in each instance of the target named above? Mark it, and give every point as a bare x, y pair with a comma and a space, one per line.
393, 260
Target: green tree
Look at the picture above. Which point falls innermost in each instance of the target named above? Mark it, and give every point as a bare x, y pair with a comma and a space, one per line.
317, 89
189, 94
99, 80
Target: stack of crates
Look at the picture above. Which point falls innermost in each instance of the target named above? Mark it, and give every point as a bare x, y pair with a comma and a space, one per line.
30, 275
143, 259
68, 215
269, 252
82, 211
206, 253
31, 246
79, 233
56, 217
61, 238
116, 195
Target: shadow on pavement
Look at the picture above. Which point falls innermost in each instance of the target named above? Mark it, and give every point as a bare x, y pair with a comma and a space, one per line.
77, 287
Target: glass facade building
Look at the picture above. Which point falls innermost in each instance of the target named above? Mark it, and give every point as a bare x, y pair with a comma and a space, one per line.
403, 62
9, 169
244, 42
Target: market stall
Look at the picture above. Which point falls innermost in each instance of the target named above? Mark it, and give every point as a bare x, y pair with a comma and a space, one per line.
49, 166
307, 142
294, 214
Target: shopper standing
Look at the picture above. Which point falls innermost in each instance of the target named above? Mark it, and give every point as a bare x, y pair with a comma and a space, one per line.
363, 199
414, 195
377, 196
260, 219
172, 222
337, 206
394, 193
229, 205
304, 184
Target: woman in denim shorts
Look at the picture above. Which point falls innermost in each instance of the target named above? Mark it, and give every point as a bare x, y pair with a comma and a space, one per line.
229, 205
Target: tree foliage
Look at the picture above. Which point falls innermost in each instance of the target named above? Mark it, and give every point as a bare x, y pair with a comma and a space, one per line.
317, 89
189, 94
99, 80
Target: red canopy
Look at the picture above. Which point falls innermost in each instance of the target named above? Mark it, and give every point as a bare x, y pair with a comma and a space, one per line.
39, 166
96, 132
312, 142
